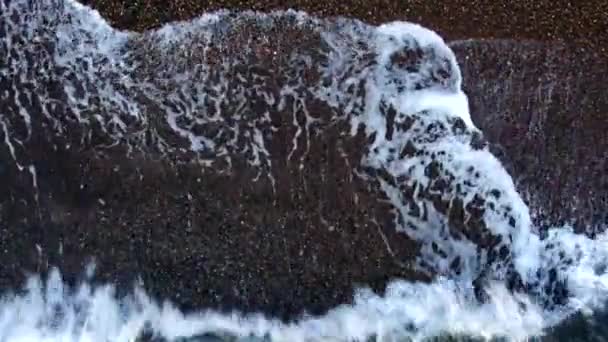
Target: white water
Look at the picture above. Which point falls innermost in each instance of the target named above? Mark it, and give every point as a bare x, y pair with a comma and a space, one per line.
49, 312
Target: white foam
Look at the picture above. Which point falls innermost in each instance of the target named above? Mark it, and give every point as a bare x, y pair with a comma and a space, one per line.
409, 309
52, 312
437, 101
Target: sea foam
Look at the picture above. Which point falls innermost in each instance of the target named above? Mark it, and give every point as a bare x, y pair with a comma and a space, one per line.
120, 83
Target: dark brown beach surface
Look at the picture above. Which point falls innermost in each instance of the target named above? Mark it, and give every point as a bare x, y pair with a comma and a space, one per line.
583, 21
244, 248
562, 42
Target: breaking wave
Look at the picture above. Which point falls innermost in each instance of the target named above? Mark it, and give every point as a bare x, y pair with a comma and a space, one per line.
218, 88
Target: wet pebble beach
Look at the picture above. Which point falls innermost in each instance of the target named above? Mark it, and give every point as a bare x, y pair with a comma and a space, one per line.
206, 239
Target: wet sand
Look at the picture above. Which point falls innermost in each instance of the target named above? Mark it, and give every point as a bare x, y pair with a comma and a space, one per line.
585, 21
236, 251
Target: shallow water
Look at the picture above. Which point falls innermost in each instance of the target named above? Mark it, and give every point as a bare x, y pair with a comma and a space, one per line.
221, 92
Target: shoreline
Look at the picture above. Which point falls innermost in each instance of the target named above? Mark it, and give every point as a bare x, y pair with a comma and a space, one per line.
135, 235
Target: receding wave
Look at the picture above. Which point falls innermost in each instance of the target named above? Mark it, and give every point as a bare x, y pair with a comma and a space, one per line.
228, 91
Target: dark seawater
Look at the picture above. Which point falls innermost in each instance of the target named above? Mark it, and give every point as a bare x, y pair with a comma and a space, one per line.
281, 177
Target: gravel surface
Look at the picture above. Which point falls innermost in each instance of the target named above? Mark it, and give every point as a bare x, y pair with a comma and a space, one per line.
239, 252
